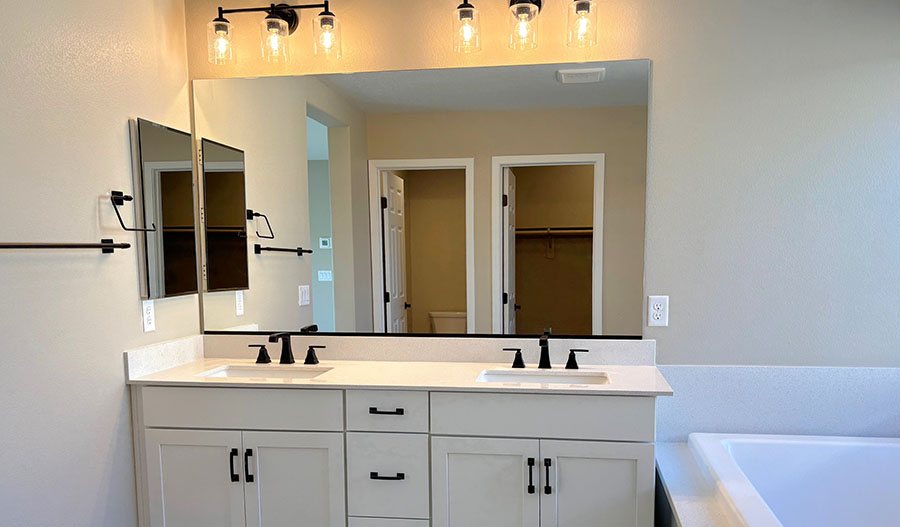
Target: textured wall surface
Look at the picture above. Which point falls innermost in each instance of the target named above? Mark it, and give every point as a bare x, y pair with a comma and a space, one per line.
70, 78
773, 195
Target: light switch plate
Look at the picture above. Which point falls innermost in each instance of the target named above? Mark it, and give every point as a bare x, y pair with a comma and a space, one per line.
239, 303
304, 295
325, 276
148, 313
658, 311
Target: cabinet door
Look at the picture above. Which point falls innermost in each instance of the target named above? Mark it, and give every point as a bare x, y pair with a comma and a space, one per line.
596, 483
194, 478
294, 479
478, 482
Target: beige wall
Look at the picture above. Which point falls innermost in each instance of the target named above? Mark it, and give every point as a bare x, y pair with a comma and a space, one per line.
435, 243
70, 78
772, 159
618, 132
276, 180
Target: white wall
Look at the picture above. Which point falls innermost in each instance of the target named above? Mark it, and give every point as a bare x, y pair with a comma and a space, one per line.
71, 76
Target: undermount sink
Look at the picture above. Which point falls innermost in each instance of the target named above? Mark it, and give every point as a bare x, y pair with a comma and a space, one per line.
518, 376
266, 372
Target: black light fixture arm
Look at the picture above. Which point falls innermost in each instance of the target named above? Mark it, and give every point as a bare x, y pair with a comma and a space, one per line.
118, 198
271, 8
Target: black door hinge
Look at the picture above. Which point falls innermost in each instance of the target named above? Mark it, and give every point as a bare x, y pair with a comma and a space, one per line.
387, 297
505, 298
505, 200
383, 202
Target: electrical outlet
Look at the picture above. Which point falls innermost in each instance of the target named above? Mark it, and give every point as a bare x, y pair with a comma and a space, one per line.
239, 303
304, 295
148, 313
658, 311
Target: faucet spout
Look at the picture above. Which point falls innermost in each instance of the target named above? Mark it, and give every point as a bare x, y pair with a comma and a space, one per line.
544, 342
287, 355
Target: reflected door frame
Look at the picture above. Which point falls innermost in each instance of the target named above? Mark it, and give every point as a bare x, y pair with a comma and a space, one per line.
498, 163
376, 166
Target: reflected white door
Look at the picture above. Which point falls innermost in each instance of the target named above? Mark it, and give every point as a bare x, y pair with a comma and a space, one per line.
394, 235
509, 251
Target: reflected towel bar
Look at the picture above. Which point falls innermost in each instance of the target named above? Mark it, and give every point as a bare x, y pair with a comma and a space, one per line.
106, 245
300, 251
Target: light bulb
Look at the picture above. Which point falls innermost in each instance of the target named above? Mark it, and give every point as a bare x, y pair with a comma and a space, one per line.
582, 31
275, 43
219, 41
523, 31
327, 35
466, 29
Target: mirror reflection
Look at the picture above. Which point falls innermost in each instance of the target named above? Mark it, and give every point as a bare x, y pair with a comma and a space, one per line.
164, 196
477, 200
224, 217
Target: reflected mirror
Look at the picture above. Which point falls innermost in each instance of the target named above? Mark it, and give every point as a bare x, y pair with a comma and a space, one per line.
164, 197
477, 200
224, 214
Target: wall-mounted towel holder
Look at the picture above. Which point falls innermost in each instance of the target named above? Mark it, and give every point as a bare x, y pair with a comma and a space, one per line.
300, 251
106, 245
253, 214
118, 198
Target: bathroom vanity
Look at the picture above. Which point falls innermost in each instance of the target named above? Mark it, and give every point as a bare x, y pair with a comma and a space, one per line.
395, 444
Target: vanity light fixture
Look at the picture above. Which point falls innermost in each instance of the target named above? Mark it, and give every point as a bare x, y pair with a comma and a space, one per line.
275, 29
523, 23
582, 26
466, 28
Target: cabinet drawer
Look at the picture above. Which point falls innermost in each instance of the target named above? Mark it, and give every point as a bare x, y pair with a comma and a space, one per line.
387, 411
375, 465
386, 522
236, 408
610, 418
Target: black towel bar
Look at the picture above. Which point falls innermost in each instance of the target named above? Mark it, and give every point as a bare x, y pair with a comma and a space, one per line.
107, 246
300, 251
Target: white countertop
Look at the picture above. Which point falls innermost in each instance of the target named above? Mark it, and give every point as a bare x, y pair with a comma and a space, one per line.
442, 376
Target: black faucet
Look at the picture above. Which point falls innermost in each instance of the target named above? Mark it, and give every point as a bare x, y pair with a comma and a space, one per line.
312, 328
287, 356
544, 342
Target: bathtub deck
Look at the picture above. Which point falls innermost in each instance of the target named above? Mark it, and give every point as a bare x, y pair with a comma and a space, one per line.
691, 496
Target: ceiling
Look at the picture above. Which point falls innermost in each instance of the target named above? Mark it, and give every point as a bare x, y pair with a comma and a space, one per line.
492, 88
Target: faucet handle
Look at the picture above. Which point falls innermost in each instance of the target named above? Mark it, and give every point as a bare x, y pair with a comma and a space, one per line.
518, 361
263, 357
572, 364
311, 357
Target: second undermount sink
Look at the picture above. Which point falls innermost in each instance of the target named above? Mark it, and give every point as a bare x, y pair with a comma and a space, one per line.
266, 372
518, 375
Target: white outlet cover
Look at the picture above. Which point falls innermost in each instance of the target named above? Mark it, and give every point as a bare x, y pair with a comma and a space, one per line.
239, 303
148, 314
325, 276
658, 311
304, 295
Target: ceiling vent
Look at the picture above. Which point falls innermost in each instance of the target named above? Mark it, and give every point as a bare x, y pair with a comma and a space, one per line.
581, 76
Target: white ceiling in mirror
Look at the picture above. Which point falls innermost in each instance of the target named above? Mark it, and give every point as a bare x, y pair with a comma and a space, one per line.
625, 84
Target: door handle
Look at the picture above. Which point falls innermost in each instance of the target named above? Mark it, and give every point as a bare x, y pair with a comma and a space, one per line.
375, 411
531, 475
547, 488
248, 477
399, 477
234, 475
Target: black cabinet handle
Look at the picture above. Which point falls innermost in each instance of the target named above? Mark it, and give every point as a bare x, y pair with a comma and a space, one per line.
531, 475
547, 488
248, 477
375, 411
233, 454
399, 477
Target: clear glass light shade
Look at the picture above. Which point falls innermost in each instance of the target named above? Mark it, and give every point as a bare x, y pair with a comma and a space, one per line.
218, 37
327, 36
523, 25
582, 32
275, 44
466, 30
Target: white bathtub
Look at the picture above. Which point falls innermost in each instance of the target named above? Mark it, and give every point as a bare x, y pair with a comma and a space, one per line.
804, 481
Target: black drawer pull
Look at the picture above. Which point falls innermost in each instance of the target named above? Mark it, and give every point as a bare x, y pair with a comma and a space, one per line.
399, 477
547, 488
248, 477
231, 455
531, 475
375, 411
